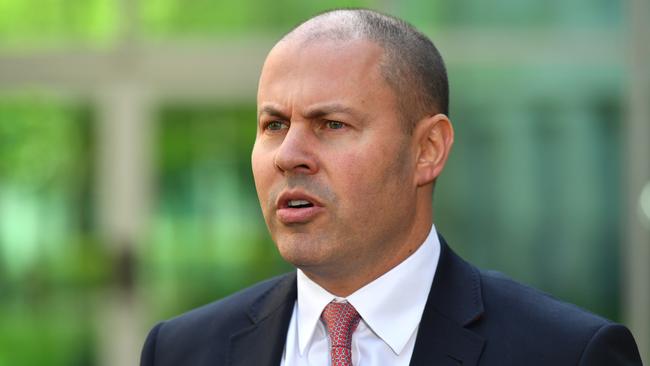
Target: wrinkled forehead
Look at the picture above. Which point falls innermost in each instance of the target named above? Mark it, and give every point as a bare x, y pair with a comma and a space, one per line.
301, 76
335, 39
334, 59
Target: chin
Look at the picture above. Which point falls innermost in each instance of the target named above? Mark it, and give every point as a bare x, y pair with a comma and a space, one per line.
301, 251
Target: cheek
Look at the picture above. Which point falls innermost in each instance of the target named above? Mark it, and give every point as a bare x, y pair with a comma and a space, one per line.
360, 179
372, 179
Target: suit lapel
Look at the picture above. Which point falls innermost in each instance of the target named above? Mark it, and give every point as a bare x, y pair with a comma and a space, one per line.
454, 302
262, 343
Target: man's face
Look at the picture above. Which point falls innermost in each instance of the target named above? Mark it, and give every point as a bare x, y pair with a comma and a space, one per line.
333, 168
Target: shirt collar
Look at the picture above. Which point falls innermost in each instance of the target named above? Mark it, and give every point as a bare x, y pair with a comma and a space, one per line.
397, 297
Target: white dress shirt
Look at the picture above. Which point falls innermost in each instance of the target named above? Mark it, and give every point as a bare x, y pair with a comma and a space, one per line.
390, 307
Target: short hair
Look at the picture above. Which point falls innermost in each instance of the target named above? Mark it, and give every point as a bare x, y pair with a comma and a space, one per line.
411, 65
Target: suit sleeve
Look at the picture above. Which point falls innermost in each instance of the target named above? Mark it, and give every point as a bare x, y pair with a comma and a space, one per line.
611, 345
149, 349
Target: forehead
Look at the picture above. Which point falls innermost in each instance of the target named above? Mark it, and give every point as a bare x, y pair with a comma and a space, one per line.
298, 73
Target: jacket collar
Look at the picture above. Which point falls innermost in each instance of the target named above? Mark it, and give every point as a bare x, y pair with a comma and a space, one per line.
262, 343
454, 302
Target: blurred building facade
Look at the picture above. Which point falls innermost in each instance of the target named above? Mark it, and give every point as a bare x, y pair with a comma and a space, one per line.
125, 132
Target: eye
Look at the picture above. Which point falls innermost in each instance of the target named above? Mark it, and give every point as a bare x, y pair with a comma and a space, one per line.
276, 126
335, 125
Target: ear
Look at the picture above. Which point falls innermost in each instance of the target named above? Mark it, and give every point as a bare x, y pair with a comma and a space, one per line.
434, 137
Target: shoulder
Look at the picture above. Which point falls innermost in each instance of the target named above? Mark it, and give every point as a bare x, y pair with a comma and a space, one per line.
502, 295
538, 326
207, 329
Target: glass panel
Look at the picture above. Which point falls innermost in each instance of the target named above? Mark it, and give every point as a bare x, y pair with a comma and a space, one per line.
512, 13
533, 183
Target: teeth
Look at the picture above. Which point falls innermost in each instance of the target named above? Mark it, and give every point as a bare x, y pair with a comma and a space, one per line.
293, 203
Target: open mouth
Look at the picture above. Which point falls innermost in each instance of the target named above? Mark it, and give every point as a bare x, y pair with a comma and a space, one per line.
298, 208
299, 204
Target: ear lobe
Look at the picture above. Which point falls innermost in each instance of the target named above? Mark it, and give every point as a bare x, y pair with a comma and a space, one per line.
435, 136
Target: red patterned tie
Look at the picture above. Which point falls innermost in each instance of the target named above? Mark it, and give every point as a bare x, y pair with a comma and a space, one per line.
341, 319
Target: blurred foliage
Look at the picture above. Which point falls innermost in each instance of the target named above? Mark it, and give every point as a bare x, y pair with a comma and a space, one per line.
532, 187
178, 18
35, 24
32, 132
59, 332
45, 23
208, 236
50, 261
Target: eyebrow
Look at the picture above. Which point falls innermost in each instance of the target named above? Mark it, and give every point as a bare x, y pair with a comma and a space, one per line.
317, 111
272, 111
323, 110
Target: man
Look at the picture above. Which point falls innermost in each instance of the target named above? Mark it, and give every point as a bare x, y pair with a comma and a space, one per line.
352, 134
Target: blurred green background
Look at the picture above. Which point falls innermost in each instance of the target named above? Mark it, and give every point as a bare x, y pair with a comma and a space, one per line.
126, 194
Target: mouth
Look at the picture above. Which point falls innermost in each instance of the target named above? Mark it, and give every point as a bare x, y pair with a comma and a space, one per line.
299, 204
297, 207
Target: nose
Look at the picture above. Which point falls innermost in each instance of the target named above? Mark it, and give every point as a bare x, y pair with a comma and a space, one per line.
296, 153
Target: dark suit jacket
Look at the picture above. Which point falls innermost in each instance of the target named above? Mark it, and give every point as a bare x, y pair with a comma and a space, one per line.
471, 318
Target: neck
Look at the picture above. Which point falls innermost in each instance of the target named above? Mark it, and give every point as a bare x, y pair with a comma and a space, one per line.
343, 282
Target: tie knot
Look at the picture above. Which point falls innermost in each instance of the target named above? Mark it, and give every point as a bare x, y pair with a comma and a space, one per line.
341, 319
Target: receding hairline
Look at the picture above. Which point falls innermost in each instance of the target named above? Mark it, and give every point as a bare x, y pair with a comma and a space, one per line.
403, 64
341, 19
333, 25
